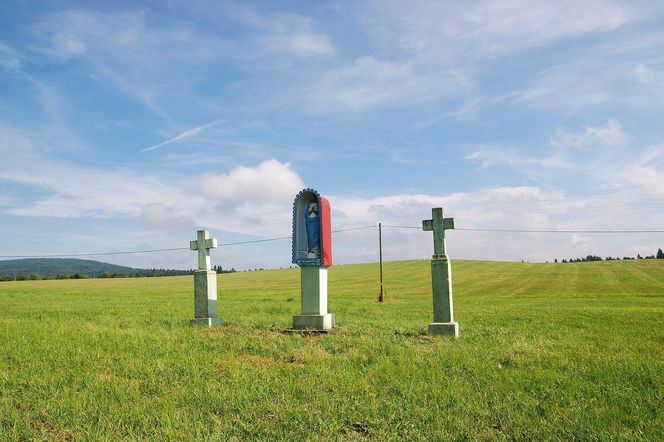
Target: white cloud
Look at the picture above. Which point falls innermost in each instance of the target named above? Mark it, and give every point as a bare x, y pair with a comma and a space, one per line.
522, 207
270, 180
162, 216
257, 201
230, 201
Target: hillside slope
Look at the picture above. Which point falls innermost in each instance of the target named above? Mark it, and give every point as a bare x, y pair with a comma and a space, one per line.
52, 267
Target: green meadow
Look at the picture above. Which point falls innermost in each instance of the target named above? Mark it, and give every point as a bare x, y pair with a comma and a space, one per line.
546, 352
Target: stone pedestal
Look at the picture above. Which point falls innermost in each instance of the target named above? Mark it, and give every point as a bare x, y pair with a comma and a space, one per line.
443, 310
314, 300
205, 298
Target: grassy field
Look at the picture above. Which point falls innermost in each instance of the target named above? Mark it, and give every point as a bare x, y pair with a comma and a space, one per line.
547, 352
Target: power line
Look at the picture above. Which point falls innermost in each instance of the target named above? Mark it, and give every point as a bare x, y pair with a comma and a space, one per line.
287, 237
94, 254
356, 228
537, 210
403, 227
531, 210
537, 230
133, 252
254, 241
561, 231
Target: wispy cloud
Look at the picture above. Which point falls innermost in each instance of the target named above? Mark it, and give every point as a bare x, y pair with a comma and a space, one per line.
444, 30
645, 171
611, 135
184, 135
619, 70
487, 156
605, 154
301, 44
293, 34
127, 53
370, 81
9, 57
644, 74
439, 48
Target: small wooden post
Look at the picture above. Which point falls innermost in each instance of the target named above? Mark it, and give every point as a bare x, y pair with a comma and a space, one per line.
381, 296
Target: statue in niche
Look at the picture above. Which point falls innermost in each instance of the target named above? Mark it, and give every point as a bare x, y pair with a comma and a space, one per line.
312, 222
312, 230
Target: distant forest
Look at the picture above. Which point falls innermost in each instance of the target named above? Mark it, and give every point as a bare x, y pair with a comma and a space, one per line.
33, 269
589, 258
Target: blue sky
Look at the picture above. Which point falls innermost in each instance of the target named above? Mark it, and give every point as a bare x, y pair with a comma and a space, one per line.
128, 125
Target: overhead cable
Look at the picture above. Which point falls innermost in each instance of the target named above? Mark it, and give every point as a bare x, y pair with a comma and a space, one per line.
133, 252
535, 230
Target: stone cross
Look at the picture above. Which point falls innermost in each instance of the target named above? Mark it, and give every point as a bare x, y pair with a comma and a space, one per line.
203, 244
441, 276
205, 282
438, 224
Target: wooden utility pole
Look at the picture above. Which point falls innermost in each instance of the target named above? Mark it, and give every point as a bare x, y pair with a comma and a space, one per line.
380, 253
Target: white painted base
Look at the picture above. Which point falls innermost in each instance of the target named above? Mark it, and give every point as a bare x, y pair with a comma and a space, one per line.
314, 322
207, 322
313, 289
205, 294
444, 328
314, 315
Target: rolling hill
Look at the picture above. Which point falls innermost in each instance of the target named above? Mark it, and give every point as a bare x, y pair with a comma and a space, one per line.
52, 267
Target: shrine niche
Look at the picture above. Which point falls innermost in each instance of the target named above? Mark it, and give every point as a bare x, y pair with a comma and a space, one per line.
312, 230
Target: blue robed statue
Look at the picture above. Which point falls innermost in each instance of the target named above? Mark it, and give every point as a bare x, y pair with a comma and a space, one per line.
312, 223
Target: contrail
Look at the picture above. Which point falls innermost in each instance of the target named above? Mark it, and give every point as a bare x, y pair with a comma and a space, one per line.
183, 136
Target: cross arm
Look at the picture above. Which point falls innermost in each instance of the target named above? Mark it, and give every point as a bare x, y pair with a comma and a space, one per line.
427, 225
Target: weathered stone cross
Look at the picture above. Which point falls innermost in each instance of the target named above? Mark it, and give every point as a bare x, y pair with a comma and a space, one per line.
441, 276
438, 224
203, 244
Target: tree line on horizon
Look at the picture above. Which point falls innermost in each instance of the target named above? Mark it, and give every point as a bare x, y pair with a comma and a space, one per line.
589, 258
138, 273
